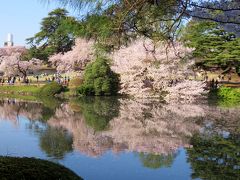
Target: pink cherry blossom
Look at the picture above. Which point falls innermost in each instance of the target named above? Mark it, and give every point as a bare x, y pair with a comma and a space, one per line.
76, 59
13, 65
147, 69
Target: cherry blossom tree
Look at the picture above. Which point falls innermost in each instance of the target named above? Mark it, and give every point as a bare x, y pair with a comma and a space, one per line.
148, 69
76, 59
8, 51
13, 65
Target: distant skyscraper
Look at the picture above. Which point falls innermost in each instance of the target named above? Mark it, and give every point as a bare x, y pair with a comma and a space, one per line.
9, 42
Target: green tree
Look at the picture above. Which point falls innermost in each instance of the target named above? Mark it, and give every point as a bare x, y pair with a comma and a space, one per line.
160, 20
215, 157
55, 36
213, 46
50, 89
99, 79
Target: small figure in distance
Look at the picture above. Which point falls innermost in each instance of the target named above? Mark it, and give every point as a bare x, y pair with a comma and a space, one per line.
223, 76
37, 77
216, 84
229, 77
212, 84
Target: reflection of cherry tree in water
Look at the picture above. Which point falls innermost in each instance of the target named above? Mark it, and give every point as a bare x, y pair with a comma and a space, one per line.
11, 110
100, 125
215, 156
56, 142
155, 131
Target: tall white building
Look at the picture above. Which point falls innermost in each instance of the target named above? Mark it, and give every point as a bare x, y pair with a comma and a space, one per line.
9, 42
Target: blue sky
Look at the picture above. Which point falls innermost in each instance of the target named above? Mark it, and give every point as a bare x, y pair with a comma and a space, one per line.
22, 18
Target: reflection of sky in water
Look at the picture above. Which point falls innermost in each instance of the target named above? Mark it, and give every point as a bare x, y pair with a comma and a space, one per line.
18, 140
112, 139
127, 166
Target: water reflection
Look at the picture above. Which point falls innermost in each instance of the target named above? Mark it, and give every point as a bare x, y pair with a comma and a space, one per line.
98, 111
215, 156
56, 142
154, 161
124, 125
12, 109
153, 131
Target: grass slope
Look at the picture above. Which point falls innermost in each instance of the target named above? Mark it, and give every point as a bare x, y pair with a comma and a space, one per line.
21, 90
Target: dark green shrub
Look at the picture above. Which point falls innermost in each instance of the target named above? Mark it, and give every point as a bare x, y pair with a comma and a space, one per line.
31, 168
99, 79
86, 90
51, 89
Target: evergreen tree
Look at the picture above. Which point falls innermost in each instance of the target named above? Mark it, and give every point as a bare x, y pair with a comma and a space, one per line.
55, 35
99, 79
213, 46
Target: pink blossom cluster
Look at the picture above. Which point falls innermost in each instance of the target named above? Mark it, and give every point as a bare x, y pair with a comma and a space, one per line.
147, 69
76, 59
8, 51
13, 65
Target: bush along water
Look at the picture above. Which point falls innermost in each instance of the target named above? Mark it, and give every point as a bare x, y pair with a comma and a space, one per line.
99, 79
51, 89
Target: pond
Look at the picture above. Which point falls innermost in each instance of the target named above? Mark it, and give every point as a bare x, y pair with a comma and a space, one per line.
110, 138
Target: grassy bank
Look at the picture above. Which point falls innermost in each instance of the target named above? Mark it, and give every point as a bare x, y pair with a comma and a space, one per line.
20, 89
225, 96
49, 89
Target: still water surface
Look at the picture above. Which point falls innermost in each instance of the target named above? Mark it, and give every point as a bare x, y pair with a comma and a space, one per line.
107, 138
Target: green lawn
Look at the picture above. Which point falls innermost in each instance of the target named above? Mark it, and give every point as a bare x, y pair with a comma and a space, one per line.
20, 89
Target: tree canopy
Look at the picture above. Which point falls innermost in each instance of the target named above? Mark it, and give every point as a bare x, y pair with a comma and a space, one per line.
155, 19
99, 79
55, 35
213, 45
213, 29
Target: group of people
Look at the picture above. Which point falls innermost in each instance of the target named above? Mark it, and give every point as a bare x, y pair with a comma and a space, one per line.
59, 79
11, 80
214, 83
220, 78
